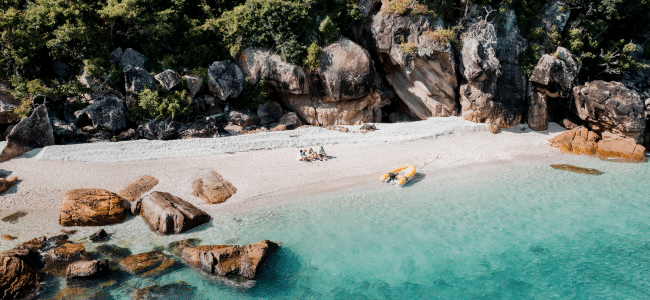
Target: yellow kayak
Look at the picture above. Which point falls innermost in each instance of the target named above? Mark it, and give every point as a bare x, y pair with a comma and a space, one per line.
399, 175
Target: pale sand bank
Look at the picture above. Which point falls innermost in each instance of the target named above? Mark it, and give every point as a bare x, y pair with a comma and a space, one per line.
263, 167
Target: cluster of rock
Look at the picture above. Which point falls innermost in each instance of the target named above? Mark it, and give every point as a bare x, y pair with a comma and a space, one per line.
24, 269
395, 67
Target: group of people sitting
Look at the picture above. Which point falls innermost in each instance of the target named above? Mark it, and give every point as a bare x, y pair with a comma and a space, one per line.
306, 155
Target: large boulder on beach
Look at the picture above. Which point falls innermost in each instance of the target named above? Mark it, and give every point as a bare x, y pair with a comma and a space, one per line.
269, 112
212, 189
610, 106
91, 207
283, 77
88, 269
423, 77
224, 260
581, 140
226, 80
17, 279
168, 214
31, 132
107, 113
135, 189
148, 263
7, 105
242, 118
136, 79
6, 184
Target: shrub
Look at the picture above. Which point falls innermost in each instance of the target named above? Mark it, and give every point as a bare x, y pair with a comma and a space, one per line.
25, 107
328, 30
408, 48
419, 9
160, 104
253, 95
311, 62
398, 7
530, 59
441, 36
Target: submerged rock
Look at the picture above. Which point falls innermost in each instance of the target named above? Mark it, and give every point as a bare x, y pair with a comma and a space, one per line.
575, 169
111, 252
179, 290
13, 218
148, 264
176, 247
91, 207
100, 236
168, 214
58, 259
87, 269
212, 189
226, 260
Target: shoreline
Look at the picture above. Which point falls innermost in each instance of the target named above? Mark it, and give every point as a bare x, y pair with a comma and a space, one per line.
263, 178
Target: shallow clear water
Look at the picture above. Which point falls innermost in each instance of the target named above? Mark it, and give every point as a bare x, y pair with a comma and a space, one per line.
510, 231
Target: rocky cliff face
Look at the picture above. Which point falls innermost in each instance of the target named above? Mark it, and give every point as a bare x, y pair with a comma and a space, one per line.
425, 79
495, 88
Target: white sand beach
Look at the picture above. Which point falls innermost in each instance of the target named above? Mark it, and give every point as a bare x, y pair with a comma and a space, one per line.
263, 166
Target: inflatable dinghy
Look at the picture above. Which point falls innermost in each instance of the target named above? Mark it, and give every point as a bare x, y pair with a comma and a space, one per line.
399, 175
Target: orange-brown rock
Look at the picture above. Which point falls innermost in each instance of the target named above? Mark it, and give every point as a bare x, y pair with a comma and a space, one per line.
494, 128
58, 259
91, 207
224, 260
212, 189
6, 184
580, 140
17, 279
148, 264
135, 189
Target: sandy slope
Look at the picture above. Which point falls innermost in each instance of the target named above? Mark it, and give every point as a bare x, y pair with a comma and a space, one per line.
263, 167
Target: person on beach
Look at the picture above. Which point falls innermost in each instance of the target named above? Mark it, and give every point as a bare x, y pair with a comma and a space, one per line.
302, 156
313, 155
321, 153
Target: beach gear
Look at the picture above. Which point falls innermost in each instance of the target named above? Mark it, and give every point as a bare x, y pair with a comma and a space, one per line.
399, 175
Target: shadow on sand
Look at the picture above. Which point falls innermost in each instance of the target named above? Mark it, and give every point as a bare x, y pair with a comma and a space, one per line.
417, 178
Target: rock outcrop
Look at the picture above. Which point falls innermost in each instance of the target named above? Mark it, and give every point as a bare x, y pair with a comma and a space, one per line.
32, 132
194, 85
17, 279
168, 79
87, 269
226, 260
425, 80
7, 105
91, 207
340, 91
106, 114
212, 189
581, 140
131, 58
135, 189
226, 80
610, 106
495, 87
148, 264
168, 214
269, 112
137, 79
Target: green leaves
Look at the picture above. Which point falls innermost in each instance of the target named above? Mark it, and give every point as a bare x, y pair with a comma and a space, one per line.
160, 104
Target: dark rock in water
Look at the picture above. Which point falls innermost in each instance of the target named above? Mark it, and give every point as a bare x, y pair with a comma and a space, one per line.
100, 236
225, 260
13, 218
32, 132
212, 188
176, 248
33, 244
87, 269
168, 214
17, 279
538, 250
179, 290
82, 293
111, 252
577, 169
58, 259
148, 264
31, 257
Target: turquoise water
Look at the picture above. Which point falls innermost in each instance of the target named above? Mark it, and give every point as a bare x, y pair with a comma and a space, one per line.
509, 231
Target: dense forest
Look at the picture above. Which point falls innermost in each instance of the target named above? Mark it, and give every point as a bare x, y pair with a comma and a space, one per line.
39, 36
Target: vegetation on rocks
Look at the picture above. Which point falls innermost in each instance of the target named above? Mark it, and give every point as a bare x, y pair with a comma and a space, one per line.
253, 95
160, 104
